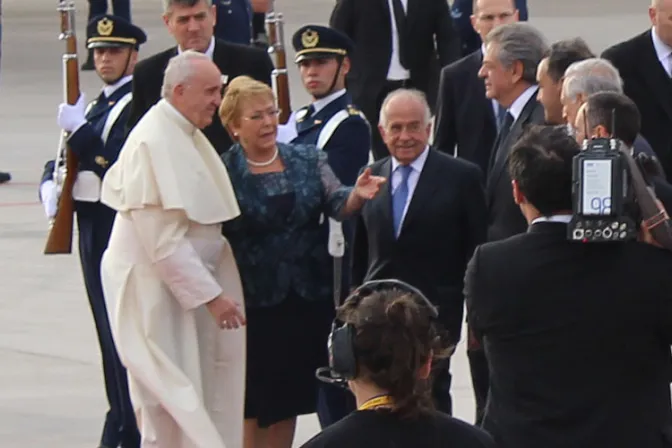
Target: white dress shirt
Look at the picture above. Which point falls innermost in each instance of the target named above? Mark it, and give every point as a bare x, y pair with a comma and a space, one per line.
108, 90
209, 52
324, 102
519, 104
417, 165
663, 51
565, 219
396, 71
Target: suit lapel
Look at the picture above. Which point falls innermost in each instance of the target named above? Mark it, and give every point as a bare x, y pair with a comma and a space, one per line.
382, 203
427, 183
412, 13
512, 136
654, 73
386, 17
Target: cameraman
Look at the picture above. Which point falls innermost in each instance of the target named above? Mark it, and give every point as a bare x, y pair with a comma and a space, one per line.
603, 110
577, 335
390, 341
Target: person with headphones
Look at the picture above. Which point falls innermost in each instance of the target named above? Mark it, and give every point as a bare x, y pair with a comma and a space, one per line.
382, 346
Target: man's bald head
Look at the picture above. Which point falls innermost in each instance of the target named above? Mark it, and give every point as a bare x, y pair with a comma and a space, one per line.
478, 4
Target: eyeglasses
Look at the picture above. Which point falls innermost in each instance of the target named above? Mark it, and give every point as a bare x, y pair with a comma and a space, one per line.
259, 116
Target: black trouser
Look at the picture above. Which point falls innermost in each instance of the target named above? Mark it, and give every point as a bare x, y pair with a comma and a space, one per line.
94, 222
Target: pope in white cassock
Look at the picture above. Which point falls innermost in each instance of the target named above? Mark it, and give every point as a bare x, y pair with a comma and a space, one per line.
171, 283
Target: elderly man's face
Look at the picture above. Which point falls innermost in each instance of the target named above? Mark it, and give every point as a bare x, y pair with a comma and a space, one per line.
570, 107
192, 26
406, 132
499, 80
199, 97
579, 124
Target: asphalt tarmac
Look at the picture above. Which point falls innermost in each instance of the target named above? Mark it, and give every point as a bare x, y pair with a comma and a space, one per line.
51, 385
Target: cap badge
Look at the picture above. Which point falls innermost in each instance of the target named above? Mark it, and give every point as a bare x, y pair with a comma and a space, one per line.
309, 39
105, 27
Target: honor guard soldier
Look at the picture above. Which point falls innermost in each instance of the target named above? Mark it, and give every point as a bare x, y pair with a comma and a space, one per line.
335, 125
96, 135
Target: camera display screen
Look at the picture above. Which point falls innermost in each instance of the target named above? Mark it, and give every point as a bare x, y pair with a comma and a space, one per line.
596, 185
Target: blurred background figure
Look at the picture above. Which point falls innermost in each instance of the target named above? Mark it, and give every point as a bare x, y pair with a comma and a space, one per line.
462, 11
234, 21
120, 8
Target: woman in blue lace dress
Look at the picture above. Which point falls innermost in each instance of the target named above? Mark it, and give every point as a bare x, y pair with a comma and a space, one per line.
284, 193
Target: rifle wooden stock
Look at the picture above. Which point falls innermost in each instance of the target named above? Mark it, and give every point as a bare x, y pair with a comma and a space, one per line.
59, 240
275, 29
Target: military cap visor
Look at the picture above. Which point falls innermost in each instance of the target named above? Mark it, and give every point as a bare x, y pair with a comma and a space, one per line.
109, 31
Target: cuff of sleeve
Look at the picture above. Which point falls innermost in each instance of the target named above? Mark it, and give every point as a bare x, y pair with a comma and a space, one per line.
188, 279
82, 123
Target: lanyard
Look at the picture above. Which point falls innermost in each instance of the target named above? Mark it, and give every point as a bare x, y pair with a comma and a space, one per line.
382, 400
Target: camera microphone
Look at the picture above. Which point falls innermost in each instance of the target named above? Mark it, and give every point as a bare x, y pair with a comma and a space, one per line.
326, 375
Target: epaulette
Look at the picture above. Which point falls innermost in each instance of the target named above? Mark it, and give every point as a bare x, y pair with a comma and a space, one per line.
352, 110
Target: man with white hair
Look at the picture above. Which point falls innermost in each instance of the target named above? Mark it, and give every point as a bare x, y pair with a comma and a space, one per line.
430, 194
585, 78
170, 280
645, 63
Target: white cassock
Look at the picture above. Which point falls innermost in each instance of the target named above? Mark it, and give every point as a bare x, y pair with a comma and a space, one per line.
166, 258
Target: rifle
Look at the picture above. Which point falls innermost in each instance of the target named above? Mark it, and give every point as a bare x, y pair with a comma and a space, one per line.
59, 240
280, 80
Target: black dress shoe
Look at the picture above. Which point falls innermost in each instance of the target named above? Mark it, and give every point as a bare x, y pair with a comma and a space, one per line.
5, 177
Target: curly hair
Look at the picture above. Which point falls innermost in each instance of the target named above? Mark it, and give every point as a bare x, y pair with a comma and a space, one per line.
395, 336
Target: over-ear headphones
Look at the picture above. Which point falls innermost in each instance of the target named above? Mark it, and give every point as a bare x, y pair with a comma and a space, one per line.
341, 342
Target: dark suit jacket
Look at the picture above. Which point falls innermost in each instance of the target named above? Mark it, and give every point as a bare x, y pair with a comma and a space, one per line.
445, 221
367, 22
464, 116
504, 216
648, 85
232, 59
577, 337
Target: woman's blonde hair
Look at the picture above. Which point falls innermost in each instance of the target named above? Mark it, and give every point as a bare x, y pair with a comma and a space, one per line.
239, 92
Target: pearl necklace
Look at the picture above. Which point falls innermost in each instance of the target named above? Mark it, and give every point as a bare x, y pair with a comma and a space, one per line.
267, 163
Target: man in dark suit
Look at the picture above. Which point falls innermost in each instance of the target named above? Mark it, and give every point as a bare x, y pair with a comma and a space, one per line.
551, 74
645, 64
423, 227
396, 45
577, 335
466, 121
463, 14
513, 52
191, 22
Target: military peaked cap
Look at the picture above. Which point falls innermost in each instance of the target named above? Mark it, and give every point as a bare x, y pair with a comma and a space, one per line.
316, 41
112, 31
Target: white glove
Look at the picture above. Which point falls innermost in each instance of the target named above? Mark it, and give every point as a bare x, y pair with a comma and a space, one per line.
72, 117
49, 195
287, 132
